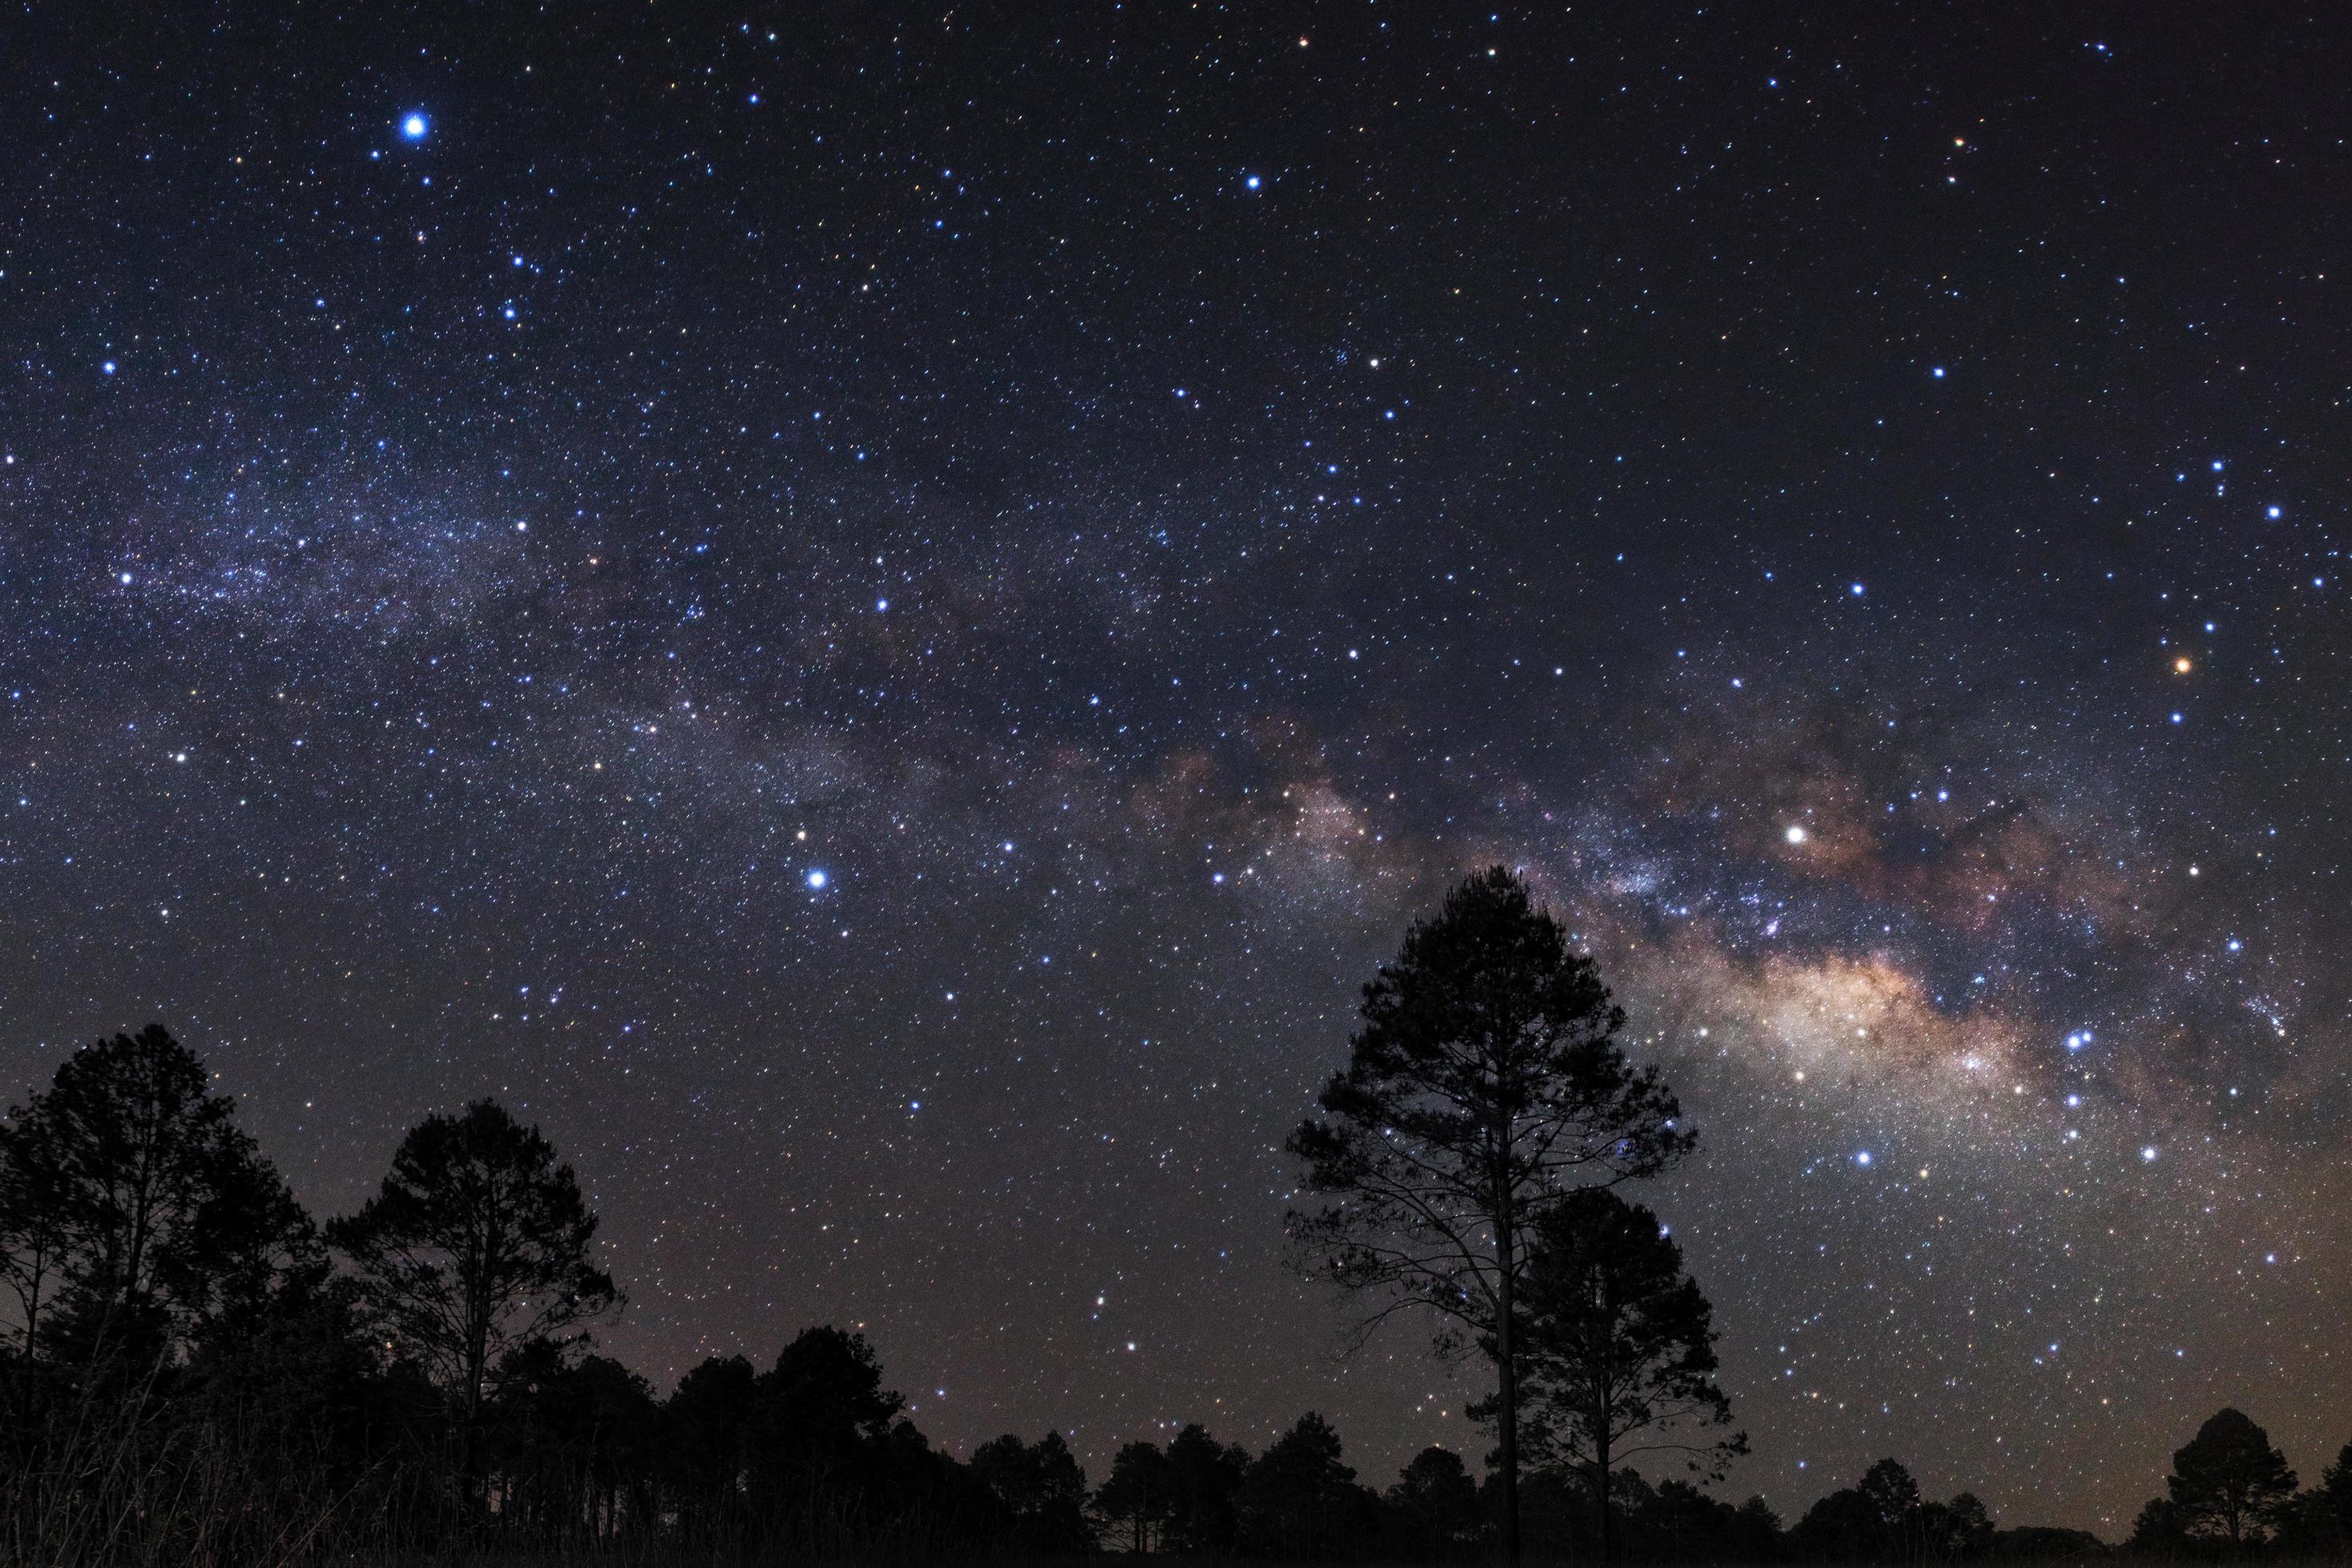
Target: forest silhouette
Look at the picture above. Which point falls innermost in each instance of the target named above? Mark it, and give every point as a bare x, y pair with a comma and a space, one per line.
194, 1370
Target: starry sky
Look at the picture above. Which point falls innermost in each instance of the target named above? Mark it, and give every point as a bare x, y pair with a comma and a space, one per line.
878, 619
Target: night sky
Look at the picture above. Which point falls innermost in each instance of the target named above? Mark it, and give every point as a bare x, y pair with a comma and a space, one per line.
877, 621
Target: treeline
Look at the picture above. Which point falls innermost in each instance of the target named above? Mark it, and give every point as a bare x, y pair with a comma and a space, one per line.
1297, 1500
192, 1369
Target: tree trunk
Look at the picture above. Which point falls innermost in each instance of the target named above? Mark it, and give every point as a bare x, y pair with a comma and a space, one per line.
1507, 1402
473, 1285
1600, 1488
1601, 1446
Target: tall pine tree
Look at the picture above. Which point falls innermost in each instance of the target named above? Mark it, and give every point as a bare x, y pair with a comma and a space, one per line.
478, 1248
1485, 1084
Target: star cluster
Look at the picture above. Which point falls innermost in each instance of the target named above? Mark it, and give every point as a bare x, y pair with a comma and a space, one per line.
877, 621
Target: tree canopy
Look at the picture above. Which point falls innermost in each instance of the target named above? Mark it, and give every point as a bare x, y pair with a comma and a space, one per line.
134, 1213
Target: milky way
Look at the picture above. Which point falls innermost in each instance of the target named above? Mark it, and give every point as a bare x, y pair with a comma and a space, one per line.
878, 622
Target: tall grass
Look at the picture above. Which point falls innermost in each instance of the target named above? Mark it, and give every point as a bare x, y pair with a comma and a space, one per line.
116, 1475
113, 1473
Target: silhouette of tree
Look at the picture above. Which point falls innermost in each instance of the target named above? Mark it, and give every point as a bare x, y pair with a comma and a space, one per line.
810, 1459
1205, 1478
705, 1445
2043, 1544
1883, 1517
1759, 1526
296, 1417
1950, 1531
2157, 1531
1893, 1498
1487, 1082
1890, 1492
134, 1215
2228, 1483
569, 1443
913, 1501
1680, 1523
817, 1416
1842, 1527
1619, 1345
2328, 1517
478, 1246
1299, 1501
1433, 1505
1136, 1493
35, 1234
1041, 1487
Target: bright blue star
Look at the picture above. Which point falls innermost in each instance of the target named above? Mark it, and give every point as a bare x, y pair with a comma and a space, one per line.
816, 881
1252, 183
414, 126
